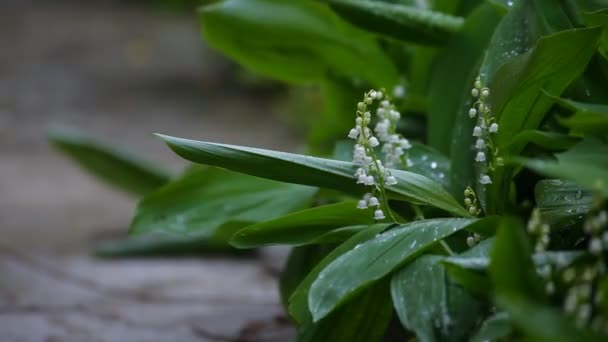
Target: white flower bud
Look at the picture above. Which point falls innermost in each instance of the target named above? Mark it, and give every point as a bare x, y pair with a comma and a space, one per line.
485, 179
494, 128
361, 106
362, 179
353, 134
481, 157
477, 131
399, 91
485, 93
385, 103
378, 214
473, 210
373, 94
471, 241
480, 144
478, 84
373, 201
373, 141
472, 112
362, 204
395, 115
475, 92
370, 180
379, 95
391, 180
405, 144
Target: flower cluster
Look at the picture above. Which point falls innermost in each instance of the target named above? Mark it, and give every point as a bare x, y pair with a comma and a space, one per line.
470, 202
486, 155
540, 231
372, 172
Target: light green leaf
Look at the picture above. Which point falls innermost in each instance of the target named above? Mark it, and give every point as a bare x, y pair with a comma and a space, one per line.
585, 164
298, 303
206, 199
302, 227
398, 21
295, 41
111, 165
300, 169
430, 304
375, 259
558, 200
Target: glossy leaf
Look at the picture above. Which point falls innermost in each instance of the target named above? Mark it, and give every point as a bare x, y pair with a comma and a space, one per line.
558, 200
375, 259
585, 164
430, 304
111, 165
469, 268
398, 21
298, 303
301, 169
296, 41
303, 226
206, 199
364, 319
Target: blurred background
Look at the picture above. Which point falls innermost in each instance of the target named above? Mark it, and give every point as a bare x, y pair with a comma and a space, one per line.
119, 71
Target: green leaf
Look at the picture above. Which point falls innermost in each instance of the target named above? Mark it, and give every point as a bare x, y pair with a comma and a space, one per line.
113, 166
206, 199
430, 304
398, 21
296, 41
302, 227
298, 303
548, 140
551, 65
300, 169
543, 323
469, 268
495, 328
558, 200
453, 74
375, 259
588, 117
511, 266
586, 164
364, 319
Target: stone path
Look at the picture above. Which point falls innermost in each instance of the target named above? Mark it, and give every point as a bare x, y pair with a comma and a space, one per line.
121, 71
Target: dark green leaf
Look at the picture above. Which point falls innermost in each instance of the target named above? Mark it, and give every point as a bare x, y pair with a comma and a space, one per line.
588, 117
430, 304
298, 303
398, 21
375, 259
469, 268
585, 164
300, 169
208, 198
548, 140
302, 227
113, 166
296, 41
300, 262
363, 319
559, 200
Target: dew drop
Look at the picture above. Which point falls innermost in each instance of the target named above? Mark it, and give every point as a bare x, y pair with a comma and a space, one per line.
433, 165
